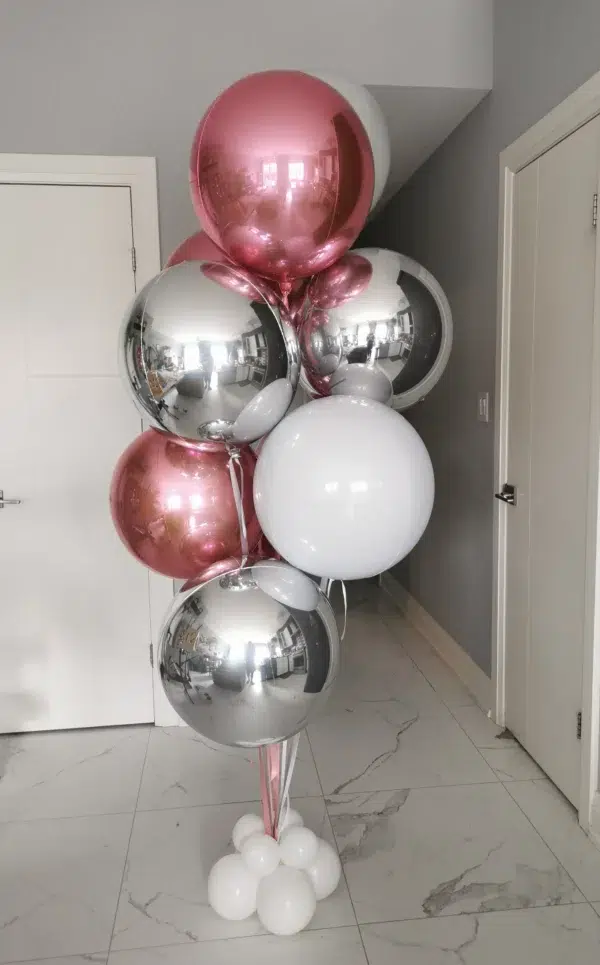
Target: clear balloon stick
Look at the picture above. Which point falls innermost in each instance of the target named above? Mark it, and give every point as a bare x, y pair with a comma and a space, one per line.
292, 753
238, 496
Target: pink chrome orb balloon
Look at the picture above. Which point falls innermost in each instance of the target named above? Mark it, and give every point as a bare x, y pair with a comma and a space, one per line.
173, 505
282, 174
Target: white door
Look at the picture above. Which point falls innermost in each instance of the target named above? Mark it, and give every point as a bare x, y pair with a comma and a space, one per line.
74, 606
551, 330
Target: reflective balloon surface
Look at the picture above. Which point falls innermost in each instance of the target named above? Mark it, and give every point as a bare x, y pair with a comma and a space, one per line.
198, 247
383, 312
282, 174
173, 505
206, 357
246, 658
374, 123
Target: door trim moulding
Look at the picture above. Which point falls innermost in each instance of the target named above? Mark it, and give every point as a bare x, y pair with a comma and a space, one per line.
139, 175
579, 108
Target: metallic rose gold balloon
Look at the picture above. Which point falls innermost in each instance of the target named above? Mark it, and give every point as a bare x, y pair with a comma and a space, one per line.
281, 174
173, 505
342, 281
198, 247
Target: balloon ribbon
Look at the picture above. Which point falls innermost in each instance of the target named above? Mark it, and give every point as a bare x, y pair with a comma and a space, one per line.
276, 762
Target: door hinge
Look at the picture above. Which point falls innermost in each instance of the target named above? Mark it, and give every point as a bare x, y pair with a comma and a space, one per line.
595, 211
151, 654
133, 260
579, 726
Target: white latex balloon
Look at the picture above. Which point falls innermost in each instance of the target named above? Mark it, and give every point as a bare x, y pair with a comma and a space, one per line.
285, 901
374, 123
365, 485
362, 380
260, 853
232, 888
289, 586
298, 847
264, 411
246, 825
292, 819
325, 871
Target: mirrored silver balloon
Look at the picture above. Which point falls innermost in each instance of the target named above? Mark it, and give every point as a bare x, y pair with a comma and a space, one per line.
376, 324
247, 657
206, 356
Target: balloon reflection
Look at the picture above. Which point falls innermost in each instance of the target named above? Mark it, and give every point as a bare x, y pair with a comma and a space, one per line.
376, 325
246, 657
206, 357
282, 174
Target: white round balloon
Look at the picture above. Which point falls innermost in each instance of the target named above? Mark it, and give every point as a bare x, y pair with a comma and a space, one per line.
298, 847
365, 488
260, 853
285, 901
292, 819
325, 871
374, 123
246, 825
232, 888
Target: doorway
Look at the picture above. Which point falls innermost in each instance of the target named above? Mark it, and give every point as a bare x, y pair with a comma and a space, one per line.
548, 448
78, 614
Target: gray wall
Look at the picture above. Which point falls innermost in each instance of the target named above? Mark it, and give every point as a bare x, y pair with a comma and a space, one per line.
446, 217
135, 76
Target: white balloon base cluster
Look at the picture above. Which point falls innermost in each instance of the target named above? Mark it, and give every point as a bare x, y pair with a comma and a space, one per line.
281, 881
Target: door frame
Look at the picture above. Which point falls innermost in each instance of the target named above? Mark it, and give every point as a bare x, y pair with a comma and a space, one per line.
582, 106
139, 175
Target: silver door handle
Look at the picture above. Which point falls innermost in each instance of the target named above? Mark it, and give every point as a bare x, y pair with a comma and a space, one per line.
8, 502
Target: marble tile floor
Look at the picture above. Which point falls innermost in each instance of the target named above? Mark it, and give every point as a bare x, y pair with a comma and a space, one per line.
456, 849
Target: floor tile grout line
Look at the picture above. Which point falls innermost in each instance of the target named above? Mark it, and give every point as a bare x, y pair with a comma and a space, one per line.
424, 675
506, 786
112, 931
324, 799
551, 850
188, 944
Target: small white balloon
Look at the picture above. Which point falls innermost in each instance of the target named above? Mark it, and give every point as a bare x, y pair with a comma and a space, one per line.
298, 847
232, 888
248, 824
260, 853
325, 871
285, 901
292, 819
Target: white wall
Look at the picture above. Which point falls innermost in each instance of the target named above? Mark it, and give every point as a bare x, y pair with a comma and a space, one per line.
135, 76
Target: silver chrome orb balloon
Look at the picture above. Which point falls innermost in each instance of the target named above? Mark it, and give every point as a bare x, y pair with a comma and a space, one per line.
206, 356
376, 325
247, 657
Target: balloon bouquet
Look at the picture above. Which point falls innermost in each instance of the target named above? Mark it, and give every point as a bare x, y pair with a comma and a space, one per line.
285, 167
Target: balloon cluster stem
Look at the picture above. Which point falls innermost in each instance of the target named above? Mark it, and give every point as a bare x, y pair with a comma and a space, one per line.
276, 763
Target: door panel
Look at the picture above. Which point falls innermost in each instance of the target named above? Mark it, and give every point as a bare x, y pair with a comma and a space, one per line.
549, 427
74, 636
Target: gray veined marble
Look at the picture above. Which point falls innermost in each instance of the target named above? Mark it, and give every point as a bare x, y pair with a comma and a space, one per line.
443, 851
443, 864
387, 745
540, 936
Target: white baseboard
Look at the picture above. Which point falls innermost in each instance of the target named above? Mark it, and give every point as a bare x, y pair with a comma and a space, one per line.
465, 668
